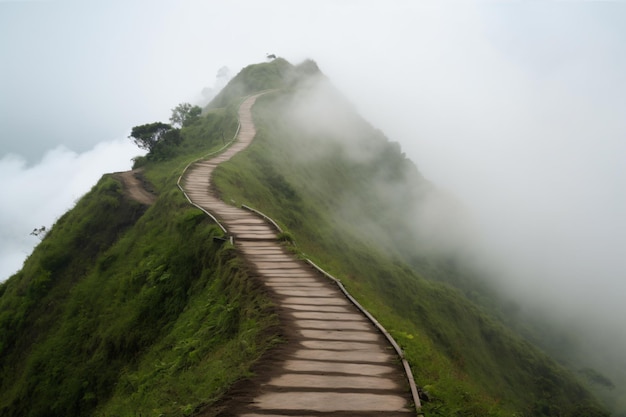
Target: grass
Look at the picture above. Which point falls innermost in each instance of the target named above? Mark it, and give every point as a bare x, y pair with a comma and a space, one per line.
470, 363
131, 310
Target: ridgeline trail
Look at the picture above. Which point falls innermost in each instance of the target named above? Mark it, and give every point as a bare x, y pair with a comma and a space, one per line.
335, 361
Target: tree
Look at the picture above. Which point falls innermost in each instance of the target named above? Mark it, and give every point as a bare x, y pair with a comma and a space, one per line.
165, 148
39, 232
184, 114
148, 135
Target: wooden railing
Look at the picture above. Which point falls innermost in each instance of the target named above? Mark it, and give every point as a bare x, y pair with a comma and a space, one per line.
213, 153
380, 327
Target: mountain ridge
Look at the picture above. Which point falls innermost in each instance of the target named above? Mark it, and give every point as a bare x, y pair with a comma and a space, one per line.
154, 281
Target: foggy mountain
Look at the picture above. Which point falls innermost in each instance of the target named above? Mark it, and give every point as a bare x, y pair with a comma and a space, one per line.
180, 306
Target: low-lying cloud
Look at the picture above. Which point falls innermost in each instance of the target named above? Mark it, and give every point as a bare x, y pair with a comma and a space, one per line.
518, 113
514, 108
38, 195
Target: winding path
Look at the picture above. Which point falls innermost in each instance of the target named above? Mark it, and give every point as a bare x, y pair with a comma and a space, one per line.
335, 361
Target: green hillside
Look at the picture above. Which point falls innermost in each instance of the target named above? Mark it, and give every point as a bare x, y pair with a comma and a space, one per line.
127, 309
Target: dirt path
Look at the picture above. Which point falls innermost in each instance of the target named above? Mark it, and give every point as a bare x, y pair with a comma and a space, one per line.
335, 362
135, 186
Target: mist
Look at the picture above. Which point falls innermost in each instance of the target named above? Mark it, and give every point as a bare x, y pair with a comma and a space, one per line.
41, 193
513, 109
526, 128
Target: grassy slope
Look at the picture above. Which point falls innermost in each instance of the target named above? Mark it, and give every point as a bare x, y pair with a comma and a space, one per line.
128, 311
470, 363
131, 311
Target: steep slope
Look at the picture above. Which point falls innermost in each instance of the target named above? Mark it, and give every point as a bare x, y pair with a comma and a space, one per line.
335, 361
350, 197
128, 309
125, 309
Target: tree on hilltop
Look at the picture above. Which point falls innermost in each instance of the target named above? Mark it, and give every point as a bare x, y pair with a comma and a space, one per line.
148, 135
161, 139
184, 114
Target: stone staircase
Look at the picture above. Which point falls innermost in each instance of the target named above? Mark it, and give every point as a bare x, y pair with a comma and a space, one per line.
335, 360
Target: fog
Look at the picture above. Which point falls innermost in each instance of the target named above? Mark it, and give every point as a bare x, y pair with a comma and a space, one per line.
514, 108
38, 194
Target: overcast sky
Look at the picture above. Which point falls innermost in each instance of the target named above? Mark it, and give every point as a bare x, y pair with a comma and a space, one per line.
516, 108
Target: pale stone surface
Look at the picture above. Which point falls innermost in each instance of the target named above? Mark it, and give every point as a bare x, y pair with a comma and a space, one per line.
276, 270
277, 273
318, 301
301, 307
274, 250
250, 229
254, 220
332, 381
295, 365
333, 325
343, 345
329, 316
293, 284
305, 292
304, 278
282, 265
258, 254
272, 415
250, 235
293, 275
343, 356
272, 258
257, 244
330, 401
340, 335
255, 255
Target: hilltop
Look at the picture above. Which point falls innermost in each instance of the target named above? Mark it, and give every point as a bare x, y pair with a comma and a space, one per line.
132, 308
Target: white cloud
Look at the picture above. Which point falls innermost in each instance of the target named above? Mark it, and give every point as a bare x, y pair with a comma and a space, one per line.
37, 195
516, 108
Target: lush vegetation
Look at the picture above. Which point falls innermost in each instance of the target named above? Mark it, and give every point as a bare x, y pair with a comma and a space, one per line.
128, 310
162, 140
254, 78
347, 196
125, 309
